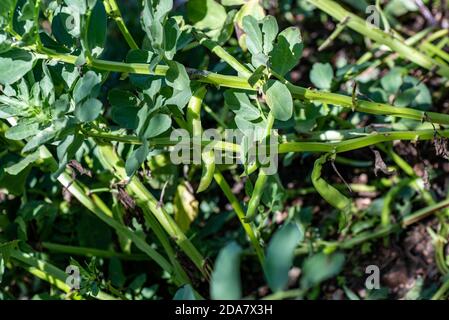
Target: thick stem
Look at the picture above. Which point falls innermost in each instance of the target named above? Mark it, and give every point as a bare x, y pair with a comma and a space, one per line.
242, 83
92, 252
145, 199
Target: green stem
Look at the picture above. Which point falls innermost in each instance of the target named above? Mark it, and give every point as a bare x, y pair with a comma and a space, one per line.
248, 227
357, 143
92, 252
159, 142
297, 146
242, 83
113, 11
223, 54
261, 180
146, 200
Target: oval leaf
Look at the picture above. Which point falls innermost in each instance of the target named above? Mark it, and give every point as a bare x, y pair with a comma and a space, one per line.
279, 99
225, 283
89, 110
320, 267
14, 64
280, 255
158, 124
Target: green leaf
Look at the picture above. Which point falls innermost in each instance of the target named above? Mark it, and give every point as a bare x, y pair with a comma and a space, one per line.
239, 103
24, 129
254, 40
177, 76
422, 98
392, 81
40, 138
6, 249
88, 110
207, 15
153, 16
87, 86
124, 108
66, 150
270, 30
178, 79
116, 272
225, 282
185, 293
280, 253
136, 158
162, 8
69, 75
321, 75
22, 164
320, 267
96, 31
158, 124
279, 99
14, 184
406, 97
171, 36
142, 56
6, 10
256, 128
59, 28
287, 51
14, 64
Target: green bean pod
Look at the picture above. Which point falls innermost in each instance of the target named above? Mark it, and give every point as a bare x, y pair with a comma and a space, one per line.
334, 197
256, 196
207, 174
194, 125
